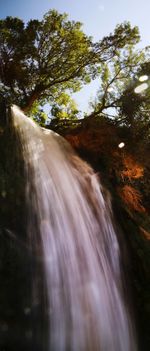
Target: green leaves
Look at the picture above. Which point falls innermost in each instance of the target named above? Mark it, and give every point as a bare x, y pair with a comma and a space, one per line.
43, 55
45, 59
64, 107
118, 74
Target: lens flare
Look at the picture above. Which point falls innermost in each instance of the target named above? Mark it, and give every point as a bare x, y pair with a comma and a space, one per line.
140, 88
143, 78
121, 145
110, 89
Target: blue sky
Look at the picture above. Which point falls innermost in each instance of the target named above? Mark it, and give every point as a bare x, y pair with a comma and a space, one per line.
99, 18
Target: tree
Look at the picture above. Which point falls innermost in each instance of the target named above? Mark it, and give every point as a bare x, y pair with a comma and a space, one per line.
65, 107
116, 77
42, 59
135, 100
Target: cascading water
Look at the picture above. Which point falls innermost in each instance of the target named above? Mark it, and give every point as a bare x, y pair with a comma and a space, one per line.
66, 208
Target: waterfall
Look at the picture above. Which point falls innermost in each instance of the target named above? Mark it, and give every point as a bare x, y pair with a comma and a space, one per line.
70, 215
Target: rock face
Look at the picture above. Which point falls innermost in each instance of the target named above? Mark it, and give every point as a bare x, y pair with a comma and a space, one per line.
17, 264
126, 177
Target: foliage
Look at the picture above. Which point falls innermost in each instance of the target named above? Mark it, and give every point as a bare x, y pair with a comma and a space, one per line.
64, 107
131, 169
135, 109
37, 113
131, 197
116, 76
42, 59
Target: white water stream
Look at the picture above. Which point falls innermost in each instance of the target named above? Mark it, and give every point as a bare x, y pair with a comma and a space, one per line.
80, 249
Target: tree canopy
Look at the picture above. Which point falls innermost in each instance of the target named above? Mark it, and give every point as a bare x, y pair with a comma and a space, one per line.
43, 59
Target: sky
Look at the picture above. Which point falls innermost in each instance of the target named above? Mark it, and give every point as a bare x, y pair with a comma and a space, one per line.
99, 18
